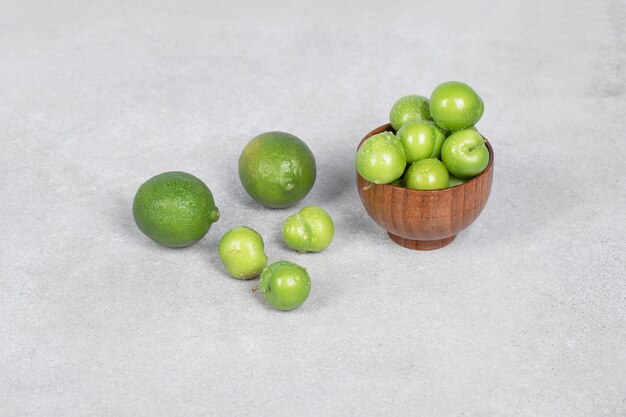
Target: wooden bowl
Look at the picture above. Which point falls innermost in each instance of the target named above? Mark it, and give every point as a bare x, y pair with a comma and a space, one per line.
425, 219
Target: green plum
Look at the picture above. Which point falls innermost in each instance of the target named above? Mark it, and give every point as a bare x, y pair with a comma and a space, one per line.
242, 252
420, 139
454, 181
440, 137
465, 154
285, 285
309, 230
455, 106
427, 174
409, 108
381, 158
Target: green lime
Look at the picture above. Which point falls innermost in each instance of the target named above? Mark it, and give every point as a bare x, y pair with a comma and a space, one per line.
174, 209
285, 285
309, 230
242, 252
277, 169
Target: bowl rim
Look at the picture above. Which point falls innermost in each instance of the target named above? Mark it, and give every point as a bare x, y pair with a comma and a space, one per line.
387, 128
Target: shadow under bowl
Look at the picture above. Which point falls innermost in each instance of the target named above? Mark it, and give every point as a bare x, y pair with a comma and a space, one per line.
425, 219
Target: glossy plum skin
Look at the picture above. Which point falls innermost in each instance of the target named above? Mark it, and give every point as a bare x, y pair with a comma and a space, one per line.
309, 230
285, 285
420, 139
242, 252
381, 159
455, 105
409, 108
465, 154
427, 174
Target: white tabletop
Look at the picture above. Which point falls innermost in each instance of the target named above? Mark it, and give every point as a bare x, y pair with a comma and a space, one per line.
522, 315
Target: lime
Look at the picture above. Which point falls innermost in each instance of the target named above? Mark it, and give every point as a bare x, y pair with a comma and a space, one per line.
242, 252
174, 209
277, 169
285, 285
309, 230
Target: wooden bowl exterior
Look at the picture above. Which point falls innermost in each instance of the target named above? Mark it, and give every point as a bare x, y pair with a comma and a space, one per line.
425, 219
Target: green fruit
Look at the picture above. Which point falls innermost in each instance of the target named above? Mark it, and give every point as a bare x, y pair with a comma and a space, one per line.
241, 250
285, 285
454, 181
309, 230
409, 108
440, 137
381, 158
420, 139
427, 174
455, 105
465, 154
174, 209
277, 169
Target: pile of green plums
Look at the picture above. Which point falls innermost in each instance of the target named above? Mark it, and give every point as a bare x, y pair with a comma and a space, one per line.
435, 145
285, 285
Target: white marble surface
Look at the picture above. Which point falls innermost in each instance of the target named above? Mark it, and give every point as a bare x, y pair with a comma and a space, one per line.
523, 315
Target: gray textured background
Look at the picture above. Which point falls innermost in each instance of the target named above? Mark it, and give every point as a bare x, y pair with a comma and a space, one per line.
523, 315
